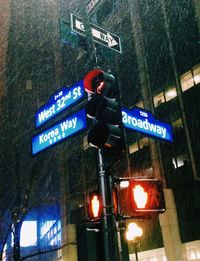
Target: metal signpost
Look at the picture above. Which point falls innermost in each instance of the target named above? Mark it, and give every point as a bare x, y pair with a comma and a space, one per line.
99, 34
61, 100
144, 122
60, 131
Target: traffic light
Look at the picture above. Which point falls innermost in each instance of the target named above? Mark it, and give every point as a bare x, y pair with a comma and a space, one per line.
140, 196
94, 206
104, 109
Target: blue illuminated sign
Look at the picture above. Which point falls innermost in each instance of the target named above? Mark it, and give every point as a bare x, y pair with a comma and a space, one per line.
143, 121
61, 100
62, 130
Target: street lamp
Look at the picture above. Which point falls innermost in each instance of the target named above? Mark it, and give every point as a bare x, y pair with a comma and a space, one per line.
134, 234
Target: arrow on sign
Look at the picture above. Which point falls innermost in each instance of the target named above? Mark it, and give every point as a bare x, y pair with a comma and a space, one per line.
105, 37
100, 35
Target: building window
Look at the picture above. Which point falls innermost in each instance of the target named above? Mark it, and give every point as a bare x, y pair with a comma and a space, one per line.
187, 81
138, 145
140, 104
170, 93
28, 234
85, 143
180, 160
177, 123
29, 85
46, 226
196, 74
158, 99
143, 142
133, 148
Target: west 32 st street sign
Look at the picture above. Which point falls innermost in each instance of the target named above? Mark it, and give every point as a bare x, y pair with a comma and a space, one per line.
100, 35
61, 100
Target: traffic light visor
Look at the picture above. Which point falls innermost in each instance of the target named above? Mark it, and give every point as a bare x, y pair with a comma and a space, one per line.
94, 81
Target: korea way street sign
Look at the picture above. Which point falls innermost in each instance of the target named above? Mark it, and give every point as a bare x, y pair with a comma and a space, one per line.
100, 35
60, 131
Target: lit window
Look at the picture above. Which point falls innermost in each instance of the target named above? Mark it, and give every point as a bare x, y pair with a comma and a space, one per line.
140, 104
158, 99
29, 85
196, 73
133, 148
85, 143
178, 123
4, 252
170, 94
28, 234
180, 160
187, 81
46, 227
144, 142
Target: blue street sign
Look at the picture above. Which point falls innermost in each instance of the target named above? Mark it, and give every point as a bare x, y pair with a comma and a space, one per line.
61, 100
143, 121
62, 130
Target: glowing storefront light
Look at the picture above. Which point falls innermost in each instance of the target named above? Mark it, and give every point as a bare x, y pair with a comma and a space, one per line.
28, 234
46, 227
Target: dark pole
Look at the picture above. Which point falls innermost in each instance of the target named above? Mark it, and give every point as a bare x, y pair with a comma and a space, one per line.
104, 194
110, 243
16, 213
88, 33
113, 226
136, 253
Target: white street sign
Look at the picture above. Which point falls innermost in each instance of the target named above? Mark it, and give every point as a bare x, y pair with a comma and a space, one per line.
100, 35
91, 5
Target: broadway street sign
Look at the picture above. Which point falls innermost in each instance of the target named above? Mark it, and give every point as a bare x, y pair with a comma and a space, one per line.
143, 121
100, 35
61, 100
60, 131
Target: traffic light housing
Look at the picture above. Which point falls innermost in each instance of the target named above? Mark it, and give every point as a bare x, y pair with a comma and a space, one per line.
140, 197
104, 109
94, 206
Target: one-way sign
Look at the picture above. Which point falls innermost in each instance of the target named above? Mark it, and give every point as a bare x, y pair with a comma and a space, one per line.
100, 35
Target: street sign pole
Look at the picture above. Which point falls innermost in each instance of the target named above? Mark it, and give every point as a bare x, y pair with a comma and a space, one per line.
88, 32
110, 242
105, 219
110, 246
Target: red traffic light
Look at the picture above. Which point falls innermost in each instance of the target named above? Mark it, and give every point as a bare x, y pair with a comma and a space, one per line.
104, 109
94, 206
94, 81
141, 196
